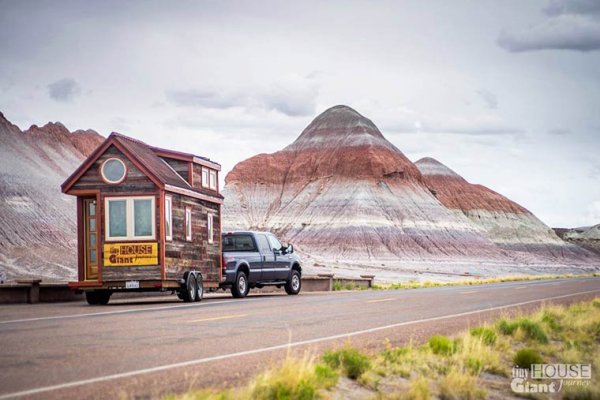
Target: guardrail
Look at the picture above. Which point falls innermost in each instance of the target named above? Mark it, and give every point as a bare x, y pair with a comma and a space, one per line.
35, 291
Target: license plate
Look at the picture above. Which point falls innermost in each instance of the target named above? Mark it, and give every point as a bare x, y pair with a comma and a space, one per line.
132, 285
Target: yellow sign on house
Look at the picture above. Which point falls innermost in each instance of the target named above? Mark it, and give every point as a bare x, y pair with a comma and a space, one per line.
130, 254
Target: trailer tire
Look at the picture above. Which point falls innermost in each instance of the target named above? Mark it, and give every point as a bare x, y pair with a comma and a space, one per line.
199, 288
293, 286
98, 298
190, 291
240, 287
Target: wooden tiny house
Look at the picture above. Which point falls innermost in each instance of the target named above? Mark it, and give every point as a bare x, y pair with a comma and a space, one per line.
148, 219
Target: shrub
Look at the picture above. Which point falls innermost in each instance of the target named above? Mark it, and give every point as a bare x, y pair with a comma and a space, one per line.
441, 345
526, 357
551, 320
533, 330
487, 335
505, 327
459, 386
351, 361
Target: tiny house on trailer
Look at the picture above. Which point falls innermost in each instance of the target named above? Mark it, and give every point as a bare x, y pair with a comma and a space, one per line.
148, 219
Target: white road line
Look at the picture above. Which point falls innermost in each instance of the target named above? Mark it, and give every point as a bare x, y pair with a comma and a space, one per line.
129, 310
271, 348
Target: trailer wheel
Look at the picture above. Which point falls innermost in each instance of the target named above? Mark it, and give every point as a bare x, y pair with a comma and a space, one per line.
98, 297
190, 291
240, 287
199, 288
294, 284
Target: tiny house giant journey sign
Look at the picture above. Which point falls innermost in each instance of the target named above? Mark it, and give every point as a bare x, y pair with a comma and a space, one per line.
130, 254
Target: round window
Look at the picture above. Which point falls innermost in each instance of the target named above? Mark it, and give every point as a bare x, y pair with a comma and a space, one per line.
113, 170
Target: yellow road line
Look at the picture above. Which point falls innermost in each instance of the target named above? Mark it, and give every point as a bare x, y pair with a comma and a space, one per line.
470, 291
380, 300
219, 318
521, 287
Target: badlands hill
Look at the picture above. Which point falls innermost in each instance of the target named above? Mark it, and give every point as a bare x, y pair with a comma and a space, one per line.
37, 233
350, 200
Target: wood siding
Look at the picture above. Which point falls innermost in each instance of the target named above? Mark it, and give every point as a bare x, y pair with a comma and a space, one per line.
199, 255
181, 167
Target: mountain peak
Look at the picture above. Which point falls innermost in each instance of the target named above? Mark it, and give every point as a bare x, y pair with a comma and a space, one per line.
431, 167
339, 126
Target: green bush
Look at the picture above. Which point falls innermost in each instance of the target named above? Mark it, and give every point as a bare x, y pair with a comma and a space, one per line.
526, 357
395, 355
351, 361
325, 376
487, 335
533, 330
551, 320
441, 345
505, 327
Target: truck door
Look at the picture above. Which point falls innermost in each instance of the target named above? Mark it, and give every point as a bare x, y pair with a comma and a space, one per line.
281, 269
268, 258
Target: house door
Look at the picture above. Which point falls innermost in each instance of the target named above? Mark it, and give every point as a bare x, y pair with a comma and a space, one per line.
90, 240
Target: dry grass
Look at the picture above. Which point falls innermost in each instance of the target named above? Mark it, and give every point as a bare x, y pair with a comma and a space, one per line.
414, 284
443, 367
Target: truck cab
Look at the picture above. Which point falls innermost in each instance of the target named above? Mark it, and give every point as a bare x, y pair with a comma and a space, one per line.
257, 259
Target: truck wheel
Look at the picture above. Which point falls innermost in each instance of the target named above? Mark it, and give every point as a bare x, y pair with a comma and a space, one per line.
240, 287
98, 297
191, 290
294, 284
199, 288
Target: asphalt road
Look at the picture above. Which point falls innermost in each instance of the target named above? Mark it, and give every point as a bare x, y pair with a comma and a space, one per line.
146, 348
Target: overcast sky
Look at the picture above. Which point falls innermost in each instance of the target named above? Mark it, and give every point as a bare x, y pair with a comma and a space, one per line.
506, 93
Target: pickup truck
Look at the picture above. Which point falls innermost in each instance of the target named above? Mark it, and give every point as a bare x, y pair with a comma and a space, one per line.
257, 259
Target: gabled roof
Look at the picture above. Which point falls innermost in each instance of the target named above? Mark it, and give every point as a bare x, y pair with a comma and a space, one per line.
143, 157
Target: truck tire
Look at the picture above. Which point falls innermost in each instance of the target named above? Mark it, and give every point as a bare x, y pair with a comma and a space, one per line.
240, 287
190, 292
100, 297
199, 288
293, 286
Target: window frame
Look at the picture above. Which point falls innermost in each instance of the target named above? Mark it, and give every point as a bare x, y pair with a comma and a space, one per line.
108, 181
210, 228
205, 181
212, 179
188, 224
129, 218
169, 218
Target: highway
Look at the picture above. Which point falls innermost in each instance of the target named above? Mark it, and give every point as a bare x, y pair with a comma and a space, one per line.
153, 346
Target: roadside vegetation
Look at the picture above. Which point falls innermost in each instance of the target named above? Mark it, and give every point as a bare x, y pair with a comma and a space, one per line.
474, 364
415, 284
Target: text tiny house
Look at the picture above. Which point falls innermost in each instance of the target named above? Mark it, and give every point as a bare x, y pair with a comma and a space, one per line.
148, 219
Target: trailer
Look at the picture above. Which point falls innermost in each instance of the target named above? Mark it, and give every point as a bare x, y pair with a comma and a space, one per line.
148, 219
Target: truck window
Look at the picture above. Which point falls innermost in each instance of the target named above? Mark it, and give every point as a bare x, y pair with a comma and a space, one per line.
275, 244
238, 243
263, 244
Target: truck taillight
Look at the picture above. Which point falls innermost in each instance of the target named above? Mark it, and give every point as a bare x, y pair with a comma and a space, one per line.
226, 260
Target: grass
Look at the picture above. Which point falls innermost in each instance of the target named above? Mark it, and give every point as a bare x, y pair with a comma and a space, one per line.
457, 367
414, 284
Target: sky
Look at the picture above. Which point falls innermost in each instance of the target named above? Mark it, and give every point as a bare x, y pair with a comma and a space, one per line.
506, 93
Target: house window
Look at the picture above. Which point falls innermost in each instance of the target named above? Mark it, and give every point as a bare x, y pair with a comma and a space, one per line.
129, 218
209, 179
113, 171
205, 178
188, 224
169, 217
209, 226
213, 179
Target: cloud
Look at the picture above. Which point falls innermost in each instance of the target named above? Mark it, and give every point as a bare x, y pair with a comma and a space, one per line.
560, 7
559, 131
593, 212
64, 90
293, 96
489, 98
568, 25
477, 125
